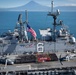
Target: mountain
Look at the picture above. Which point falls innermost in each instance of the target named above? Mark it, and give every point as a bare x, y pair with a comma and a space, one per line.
66, 8
31, 6
34, 6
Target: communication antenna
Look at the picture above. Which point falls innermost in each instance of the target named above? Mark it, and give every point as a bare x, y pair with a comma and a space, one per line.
52, 3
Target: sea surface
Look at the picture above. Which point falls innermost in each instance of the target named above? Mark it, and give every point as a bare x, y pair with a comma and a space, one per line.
37, 20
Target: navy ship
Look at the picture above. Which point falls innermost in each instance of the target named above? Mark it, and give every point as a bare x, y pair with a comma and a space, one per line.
53, 54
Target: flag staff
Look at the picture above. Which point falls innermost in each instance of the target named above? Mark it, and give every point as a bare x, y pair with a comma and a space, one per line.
26, 13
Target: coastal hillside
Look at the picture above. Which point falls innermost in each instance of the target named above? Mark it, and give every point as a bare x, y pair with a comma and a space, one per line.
66, 8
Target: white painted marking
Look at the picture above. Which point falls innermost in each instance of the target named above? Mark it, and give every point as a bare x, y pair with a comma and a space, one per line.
25, 66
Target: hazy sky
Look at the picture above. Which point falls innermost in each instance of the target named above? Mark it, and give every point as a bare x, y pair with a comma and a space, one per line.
16, 3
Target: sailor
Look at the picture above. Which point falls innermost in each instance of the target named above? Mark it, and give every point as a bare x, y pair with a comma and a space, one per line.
60, 59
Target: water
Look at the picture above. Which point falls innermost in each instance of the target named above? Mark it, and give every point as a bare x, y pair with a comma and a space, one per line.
37, 20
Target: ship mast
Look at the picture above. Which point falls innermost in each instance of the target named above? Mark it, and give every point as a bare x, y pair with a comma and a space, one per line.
54, 15
21, 27
22, 31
